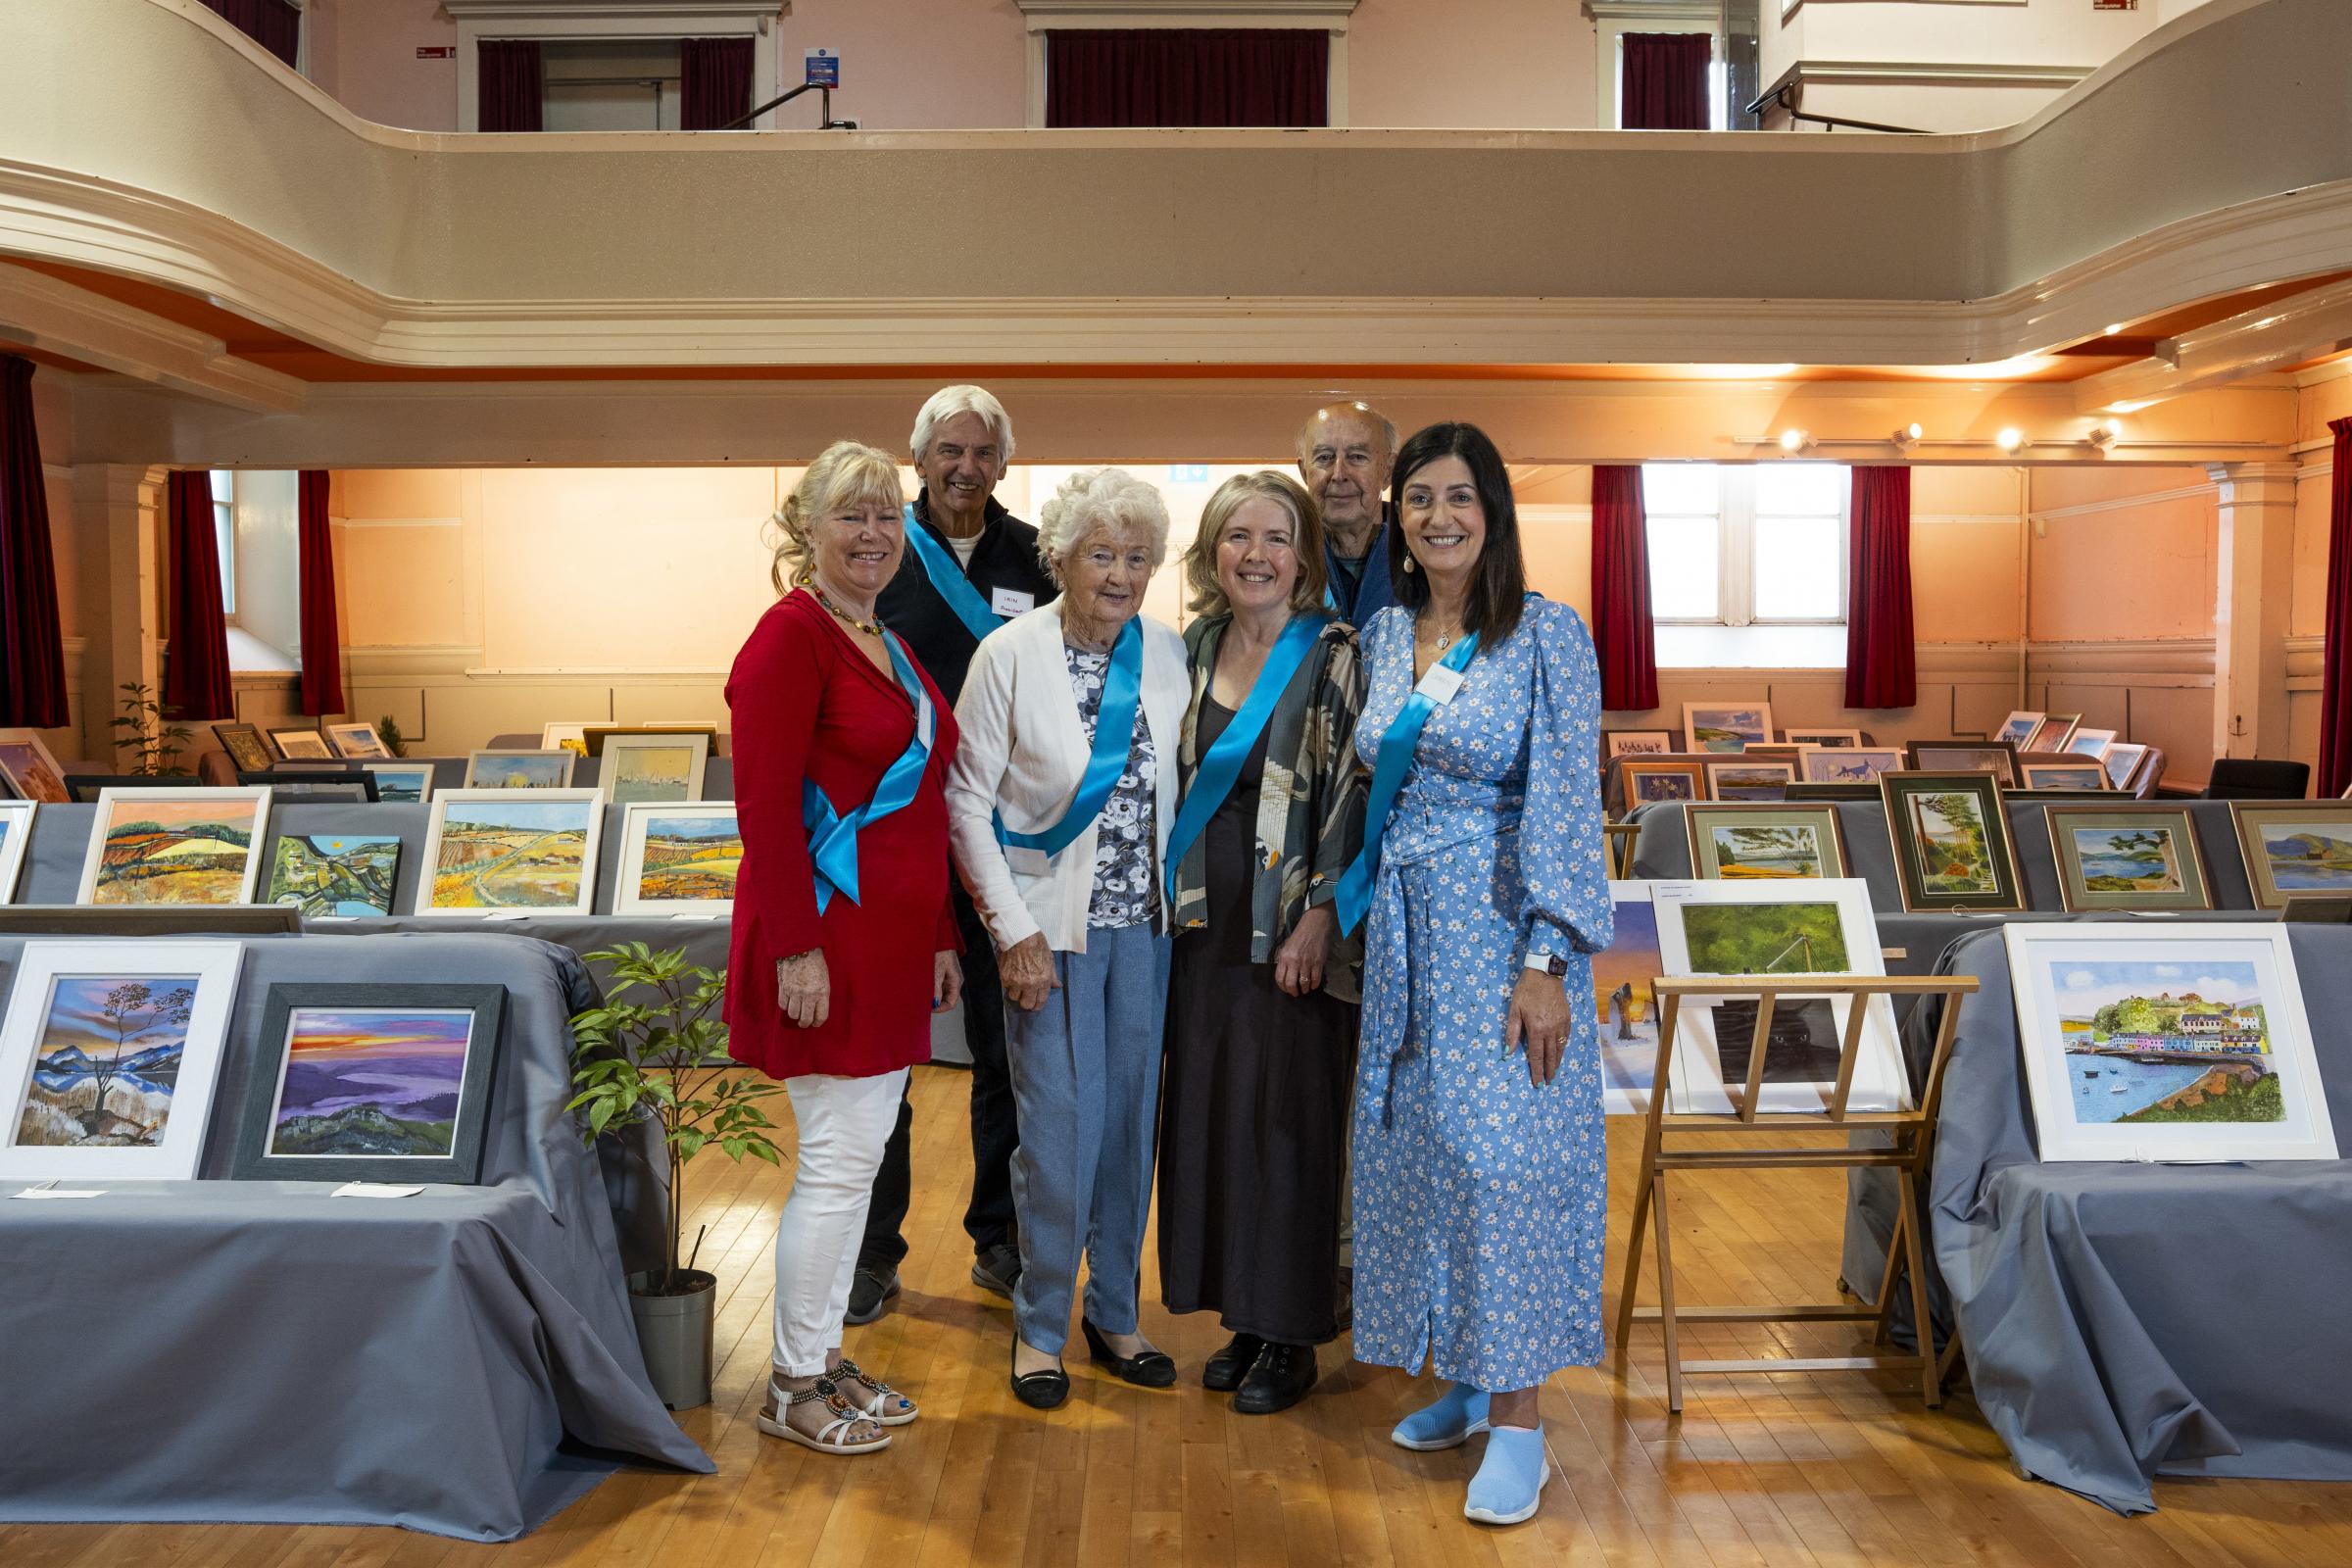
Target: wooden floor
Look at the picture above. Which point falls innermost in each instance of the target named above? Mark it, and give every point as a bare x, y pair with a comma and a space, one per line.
1843, 1469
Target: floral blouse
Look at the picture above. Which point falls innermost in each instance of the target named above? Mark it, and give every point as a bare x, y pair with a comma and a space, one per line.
1126, 881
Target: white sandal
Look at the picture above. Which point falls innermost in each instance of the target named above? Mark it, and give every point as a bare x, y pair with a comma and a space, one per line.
834, 1435
847, 1371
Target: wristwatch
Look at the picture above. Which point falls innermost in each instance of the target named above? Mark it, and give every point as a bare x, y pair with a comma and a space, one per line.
1551, 963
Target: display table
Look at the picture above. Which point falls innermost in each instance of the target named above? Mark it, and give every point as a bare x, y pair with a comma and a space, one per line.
2122, 1321
460, 1362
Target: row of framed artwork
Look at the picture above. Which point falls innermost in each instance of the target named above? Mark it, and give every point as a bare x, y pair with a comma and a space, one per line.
1805, 772
1710, 729
1949, 835
111, 1054
2138, 1042
486, 852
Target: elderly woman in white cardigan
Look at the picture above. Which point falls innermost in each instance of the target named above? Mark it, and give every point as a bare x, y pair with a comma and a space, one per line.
1058, 806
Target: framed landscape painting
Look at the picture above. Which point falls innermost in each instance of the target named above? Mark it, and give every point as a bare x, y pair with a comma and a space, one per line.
376, 1083
653, 767
174, 845
1823, 737
2295, 848
1951, 835
2063, 776
2128, 857
1739, 843
108, 1057
2018, 727
2173, 1042
520, 771
16, 830
245, 747
357, 740
677, 860
526, 852
1635, 742
2052, 733
594, 736
335, 876
410, 783
1725, 726
1777, 928
2124, 762
1623, 975
1849, 765
2092, 743
1962, 757
30, 771
1761, 780
1645, 783
300, 745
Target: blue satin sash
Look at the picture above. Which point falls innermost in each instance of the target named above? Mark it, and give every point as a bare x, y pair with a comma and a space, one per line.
948, 579
833, 836
1222, 763
1115, 731
1394, 760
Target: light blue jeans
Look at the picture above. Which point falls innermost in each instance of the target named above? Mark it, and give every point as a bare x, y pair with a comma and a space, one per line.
1085, 1089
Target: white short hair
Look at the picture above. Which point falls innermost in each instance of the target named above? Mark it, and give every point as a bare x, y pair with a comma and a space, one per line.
1101, 498
950, 401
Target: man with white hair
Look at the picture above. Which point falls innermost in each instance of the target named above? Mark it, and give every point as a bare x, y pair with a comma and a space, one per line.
969, 567
1345, 453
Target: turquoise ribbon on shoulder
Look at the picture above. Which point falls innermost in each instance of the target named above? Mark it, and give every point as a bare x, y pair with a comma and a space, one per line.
1222, 762
1395, 759
1114, 730
833, 836
948, 579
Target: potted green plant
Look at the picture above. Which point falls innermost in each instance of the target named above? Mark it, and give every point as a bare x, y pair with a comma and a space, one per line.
655, 1052
145, 729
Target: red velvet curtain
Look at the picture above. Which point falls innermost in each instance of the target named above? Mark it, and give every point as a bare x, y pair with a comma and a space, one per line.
196, 675
2335, 680
272, 24
1880, 660
1665, 81
510, 91
1623, 633
322, 636
716, 82
33, 653
1188, 76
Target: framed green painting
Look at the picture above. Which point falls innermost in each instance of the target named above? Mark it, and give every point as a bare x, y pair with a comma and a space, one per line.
1950, 834
1736, 841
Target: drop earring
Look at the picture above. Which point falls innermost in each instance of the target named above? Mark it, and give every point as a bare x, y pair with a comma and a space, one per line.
1408, 565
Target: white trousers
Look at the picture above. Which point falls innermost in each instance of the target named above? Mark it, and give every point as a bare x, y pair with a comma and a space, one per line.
844, 1124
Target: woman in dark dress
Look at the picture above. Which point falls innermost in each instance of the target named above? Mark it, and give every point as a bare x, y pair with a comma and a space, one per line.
1261, 1012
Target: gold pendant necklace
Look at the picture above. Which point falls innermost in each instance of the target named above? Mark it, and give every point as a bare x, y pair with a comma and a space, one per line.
808, 580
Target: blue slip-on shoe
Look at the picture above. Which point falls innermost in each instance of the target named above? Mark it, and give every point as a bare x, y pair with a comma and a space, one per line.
1509, 1484
1460, 1414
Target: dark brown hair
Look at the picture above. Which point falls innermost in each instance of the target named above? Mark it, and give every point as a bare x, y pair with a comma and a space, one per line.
1499, 582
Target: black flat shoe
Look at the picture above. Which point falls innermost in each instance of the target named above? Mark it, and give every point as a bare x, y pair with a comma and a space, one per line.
1227, 1368
1154, 1369
1040, 1391
1278, 1379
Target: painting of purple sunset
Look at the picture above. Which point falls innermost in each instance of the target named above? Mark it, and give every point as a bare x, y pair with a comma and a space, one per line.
370, 1081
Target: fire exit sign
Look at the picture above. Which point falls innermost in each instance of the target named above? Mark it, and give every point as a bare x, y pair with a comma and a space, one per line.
2115, 5
436, 51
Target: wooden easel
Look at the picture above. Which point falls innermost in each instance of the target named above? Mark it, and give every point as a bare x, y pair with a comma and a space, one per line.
1911, 1134
1621, 848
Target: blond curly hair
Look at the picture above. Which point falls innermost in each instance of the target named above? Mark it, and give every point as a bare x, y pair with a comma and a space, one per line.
846, 474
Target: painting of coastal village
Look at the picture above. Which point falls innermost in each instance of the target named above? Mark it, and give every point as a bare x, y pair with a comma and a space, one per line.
2147, 1042
518, 855
106, 1062
1623, 975
350, 875
691, 859
186, 851
370, 1081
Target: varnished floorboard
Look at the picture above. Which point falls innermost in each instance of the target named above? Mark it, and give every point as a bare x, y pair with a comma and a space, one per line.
1767, 1471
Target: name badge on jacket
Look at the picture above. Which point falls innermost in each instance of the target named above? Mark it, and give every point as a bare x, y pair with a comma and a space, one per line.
1440, 684
1011, 601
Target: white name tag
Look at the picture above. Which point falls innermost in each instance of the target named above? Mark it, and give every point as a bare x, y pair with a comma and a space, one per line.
1011, 601
926, 723
1440, 684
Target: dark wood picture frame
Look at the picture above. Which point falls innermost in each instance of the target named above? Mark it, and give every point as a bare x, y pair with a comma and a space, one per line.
2005, 768
462, 1166
304, 786
149, 920
2008, 895
246, 747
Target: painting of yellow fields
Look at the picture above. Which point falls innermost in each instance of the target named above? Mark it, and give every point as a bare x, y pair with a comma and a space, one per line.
690, 857
175, 852
530, 855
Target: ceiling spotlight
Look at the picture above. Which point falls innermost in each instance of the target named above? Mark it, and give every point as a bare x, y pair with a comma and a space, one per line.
2010, 439
1907, 437
1793, 440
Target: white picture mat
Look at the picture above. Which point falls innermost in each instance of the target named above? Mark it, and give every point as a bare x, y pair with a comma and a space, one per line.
15, 818
112, 802
419, 773
1879, 1082
696, 747
286, 1059
474, 760
635, 817
211, 964
2018, 727
306, 744
356, 741
1692, 712
552, 736
441, 803
1833, 764
2036, 953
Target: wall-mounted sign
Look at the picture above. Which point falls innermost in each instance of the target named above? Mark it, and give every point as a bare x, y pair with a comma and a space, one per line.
821, 69
436, 51
2115, 5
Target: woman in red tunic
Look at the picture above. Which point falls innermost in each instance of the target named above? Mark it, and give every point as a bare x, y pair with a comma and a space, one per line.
843, 941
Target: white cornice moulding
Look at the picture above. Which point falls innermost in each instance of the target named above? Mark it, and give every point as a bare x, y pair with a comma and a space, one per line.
1923, 73
1651, 10
667, 11
45, 312
1790, 7
2152, 498
1164, 13
397, 522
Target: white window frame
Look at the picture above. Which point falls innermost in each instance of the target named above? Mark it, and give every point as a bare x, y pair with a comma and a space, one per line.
1612, 19
223, 484
549, 21
1073, 16
1735, 555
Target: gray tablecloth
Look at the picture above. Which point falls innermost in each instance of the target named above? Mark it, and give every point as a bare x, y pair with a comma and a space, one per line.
1663, 849
460, 1362
2124, 1321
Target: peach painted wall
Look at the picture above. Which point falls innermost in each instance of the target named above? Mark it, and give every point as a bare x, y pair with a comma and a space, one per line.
2138, 571
369, 61
1471, 62
1965, 533
913, 64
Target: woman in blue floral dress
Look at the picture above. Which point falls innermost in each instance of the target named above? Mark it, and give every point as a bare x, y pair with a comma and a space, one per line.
1481, 1195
